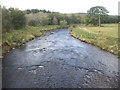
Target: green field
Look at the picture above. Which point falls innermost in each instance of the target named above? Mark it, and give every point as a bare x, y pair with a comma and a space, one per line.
105, 37
15, 38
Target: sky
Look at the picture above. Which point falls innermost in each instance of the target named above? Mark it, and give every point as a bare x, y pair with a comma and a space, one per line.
63, 6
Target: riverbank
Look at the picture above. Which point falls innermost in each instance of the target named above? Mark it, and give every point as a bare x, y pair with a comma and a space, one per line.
105, 37
15, 38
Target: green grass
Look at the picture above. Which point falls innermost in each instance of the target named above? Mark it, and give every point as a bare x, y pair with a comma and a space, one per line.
106, 37
16, 38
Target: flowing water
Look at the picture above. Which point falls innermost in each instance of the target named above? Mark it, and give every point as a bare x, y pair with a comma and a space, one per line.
57, 60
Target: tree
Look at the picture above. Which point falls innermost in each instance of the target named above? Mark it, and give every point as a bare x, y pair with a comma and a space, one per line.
63, 23
11, 9
54, 21
44, 21
32, 23
78, 19
6, 20
28, 11
18, 19
95, 14
34, 10
74, 19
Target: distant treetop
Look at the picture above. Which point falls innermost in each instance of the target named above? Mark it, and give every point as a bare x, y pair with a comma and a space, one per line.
28, 11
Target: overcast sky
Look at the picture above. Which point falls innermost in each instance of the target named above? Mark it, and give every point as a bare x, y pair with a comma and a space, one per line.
63, 6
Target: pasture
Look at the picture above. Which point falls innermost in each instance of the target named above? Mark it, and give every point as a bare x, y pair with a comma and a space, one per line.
105, 37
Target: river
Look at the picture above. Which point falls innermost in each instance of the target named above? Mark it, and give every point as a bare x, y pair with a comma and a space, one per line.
57, 60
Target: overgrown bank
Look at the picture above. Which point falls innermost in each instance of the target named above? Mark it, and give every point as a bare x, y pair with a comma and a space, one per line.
106, 38
16, 38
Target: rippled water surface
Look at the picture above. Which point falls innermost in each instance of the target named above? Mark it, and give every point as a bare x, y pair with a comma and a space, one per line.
58, 60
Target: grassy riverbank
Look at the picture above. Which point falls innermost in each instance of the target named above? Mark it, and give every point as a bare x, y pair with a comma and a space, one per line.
16, 38
105, 37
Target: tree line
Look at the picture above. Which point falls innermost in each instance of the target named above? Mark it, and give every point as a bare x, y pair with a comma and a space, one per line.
17, 19
28, 11
41, 18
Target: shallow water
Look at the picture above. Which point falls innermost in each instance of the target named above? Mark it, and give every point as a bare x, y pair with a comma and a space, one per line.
58, 60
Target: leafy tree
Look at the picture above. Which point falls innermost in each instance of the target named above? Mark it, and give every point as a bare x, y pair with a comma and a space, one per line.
6, 20
32, 23
78, 19
18, 19
28, 11
60, 17
112, 19
11, 9
54, 21
63, 23
34, 10
44, 21
52, 18
74, 19
37, 19
95, 14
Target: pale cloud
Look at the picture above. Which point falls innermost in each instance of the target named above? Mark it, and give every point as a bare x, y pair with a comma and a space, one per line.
63, 6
